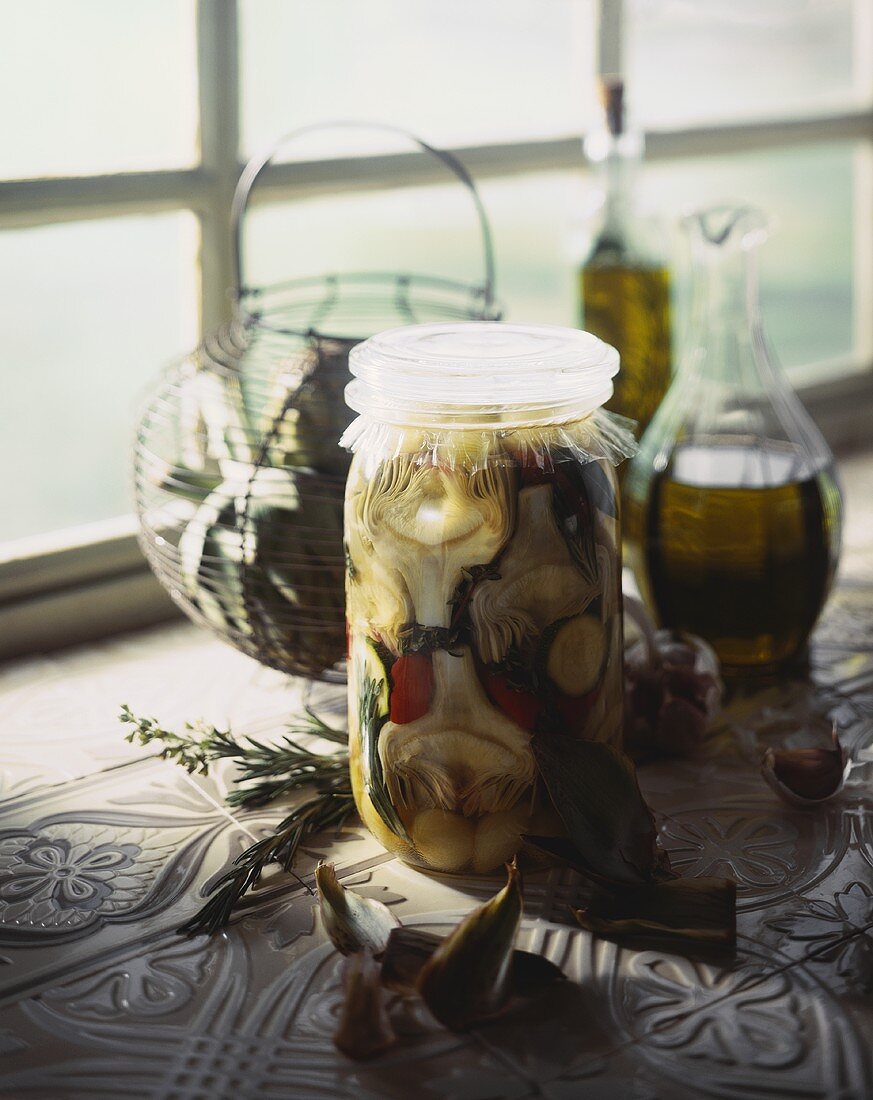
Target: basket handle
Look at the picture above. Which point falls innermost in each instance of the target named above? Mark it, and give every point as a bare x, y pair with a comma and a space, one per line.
259, 162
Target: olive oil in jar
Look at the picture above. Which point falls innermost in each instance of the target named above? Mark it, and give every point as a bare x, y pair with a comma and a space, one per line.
737, 542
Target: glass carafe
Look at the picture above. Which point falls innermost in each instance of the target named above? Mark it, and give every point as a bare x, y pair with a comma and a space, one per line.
733, 511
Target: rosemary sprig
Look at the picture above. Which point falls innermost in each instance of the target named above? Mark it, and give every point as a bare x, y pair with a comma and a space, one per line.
192, 750
322, 811
371, 724
267, 772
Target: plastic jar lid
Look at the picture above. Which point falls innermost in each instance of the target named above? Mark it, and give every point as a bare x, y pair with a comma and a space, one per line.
480, 373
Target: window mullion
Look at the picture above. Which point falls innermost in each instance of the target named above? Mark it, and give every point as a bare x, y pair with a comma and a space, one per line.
218, 64
25, 203
862, 280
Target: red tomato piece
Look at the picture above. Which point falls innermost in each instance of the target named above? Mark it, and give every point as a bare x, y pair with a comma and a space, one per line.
412, 687
522, 707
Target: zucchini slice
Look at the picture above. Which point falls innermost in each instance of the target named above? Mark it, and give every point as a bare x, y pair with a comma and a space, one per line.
576, 654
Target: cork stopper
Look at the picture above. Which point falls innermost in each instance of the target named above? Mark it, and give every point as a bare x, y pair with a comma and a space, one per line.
611, 94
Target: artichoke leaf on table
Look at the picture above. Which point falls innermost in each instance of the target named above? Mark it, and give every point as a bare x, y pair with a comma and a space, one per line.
468, 978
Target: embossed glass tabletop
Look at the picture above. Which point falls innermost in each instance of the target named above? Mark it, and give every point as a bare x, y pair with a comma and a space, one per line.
105, 851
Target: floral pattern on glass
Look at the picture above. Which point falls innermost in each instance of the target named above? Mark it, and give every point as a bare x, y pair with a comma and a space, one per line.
68, 876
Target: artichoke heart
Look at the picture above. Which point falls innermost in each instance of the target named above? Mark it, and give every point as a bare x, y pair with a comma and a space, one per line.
463, 755
540, 582
428, 523
377, 599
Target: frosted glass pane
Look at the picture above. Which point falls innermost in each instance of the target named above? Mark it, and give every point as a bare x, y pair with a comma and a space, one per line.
98, 308
696, 61
427, 230
454, 72
92, 86
808, 266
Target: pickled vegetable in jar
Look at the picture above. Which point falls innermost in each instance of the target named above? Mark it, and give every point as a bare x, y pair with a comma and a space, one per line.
483, 579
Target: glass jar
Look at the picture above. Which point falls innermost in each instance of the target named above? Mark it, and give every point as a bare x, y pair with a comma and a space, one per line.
483, 590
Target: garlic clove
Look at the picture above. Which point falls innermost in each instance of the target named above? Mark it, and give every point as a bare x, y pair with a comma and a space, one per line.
364, 1029
354, 923
498, 837
806, 777
443, 840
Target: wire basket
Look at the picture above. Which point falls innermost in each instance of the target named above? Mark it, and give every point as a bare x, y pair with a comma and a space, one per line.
239, 480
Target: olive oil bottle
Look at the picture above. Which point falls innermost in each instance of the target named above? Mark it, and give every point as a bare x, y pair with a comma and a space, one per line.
624, 287
732, 508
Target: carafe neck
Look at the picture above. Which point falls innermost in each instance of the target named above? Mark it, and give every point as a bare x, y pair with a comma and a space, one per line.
725, 319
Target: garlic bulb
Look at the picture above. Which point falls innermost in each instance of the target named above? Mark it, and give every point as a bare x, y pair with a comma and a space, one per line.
427, 523
540, 581
463, 755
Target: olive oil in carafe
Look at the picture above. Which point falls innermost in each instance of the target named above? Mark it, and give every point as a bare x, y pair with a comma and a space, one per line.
738, 543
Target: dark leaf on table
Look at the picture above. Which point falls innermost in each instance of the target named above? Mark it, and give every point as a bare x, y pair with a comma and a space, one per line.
669, 913
409, 949
468, 978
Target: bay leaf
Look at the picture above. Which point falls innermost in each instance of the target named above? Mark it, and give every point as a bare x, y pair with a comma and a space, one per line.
594, 788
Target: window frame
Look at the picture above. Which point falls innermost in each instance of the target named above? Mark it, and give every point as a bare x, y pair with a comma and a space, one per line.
55, 590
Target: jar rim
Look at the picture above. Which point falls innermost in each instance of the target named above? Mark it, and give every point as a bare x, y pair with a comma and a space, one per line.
485, 371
